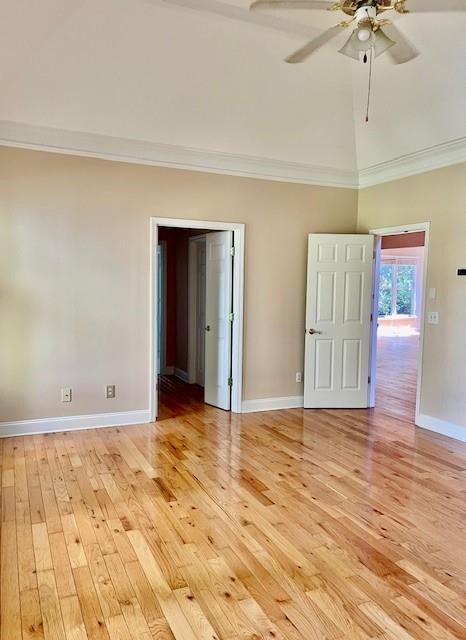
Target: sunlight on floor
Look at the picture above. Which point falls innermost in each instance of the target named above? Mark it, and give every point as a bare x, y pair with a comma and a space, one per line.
397, 331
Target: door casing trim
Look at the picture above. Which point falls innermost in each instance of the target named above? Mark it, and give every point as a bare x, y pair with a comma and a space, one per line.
379, 233
238, 302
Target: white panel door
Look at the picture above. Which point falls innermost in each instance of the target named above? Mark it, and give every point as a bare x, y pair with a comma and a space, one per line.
219, 285
338, 321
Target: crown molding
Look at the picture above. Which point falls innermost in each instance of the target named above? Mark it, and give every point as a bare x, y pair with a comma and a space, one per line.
17, 134
93, 145
429, 159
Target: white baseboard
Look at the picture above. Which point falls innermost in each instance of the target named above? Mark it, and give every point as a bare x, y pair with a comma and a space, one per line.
448, 429
272, 404
70, 423
181, 374
168, 371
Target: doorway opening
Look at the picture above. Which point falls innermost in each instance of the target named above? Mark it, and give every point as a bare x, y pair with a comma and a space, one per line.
196, 316
398, 320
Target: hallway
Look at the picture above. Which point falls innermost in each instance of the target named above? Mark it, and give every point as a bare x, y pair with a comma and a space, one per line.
397, 376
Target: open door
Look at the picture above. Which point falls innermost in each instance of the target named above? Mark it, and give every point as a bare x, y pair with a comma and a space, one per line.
219, 286
338, 321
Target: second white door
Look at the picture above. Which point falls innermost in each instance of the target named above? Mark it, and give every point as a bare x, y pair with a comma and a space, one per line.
219, 285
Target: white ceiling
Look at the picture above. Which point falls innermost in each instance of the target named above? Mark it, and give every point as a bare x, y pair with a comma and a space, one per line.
213, 78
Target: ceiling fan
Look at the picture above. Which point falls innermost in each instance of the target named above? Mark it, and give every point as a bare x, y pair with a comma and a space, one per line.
373, 33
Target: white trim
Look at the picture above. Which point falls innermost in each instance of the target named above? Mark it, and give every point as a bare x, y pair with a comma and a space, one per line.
168, 371
411, 164
238, 302
402, 228
448, 429
153, 292
273, 404
181, 374
238, 311
71, 423
374, 322
93, 145
387, 231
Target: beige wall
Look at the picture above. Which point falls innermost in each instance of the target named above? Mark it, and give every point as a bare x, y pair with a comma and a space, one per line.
439, 197
74, 260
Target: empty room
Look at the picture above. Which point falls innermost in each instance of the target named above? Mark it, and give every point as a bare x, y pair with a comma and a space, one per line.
232, 313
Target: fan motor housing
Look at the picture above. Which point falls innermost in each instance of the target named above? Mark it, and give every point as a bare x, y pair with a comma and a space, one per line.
351, 7
365, 14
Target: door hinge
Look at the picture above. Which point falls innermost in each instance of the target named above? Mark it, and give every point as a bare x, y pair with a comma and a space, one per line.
231, 317
369, 379
232, 252
372, 317
230, 382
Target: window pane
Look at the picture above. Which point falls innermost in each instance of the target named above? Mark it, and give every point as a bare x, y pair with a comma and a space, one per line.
405, 279
385, 290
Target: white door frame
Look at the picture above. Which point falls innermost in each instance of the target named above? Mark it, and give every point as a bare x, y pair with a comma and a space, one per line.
379, 233
192, 306
238, 303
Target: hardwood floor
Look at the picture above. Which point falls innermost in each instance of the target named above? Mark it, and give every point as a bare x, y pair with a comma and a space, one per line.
316, 525
397, 375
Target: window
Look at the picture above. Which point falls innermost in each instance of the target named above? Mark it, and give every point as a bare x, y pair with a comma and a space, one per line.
397, 287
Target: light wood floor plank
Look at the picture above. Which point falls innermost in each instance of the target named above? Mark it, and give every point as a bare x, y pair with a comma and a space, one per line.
291, 525
9, 584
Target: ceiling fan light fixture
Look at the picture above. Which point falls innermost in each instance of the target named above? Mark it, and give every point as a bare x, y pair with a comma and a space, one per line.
355, 46
364, 33
349, 49
382, 43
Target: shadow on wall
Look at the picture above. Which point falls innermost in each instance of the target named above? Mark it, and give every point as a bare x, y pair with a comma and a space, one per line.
16, 320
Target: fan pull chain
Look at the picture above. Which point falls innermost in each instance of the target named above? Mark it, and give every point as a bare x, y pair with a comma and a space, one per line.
369, 89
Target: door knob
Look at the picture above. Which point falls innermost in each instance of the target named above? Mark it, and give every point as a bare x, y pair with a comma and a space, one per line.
313, 332
208, 327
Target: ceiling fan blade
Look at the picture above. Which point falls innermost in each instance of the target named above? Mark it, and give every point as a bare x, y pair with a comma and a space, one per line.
434, 6
291, 4
403, 51
302, 54
241, 14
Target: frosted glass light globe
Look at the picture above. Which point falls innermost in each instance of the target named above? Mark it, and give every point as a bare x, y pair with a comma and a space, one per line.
364, 34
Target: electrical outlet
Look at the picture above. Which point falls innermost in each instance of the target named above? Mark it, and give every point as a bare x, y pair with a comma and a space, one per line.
299, 376
432, 317
66, 394
110, 391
